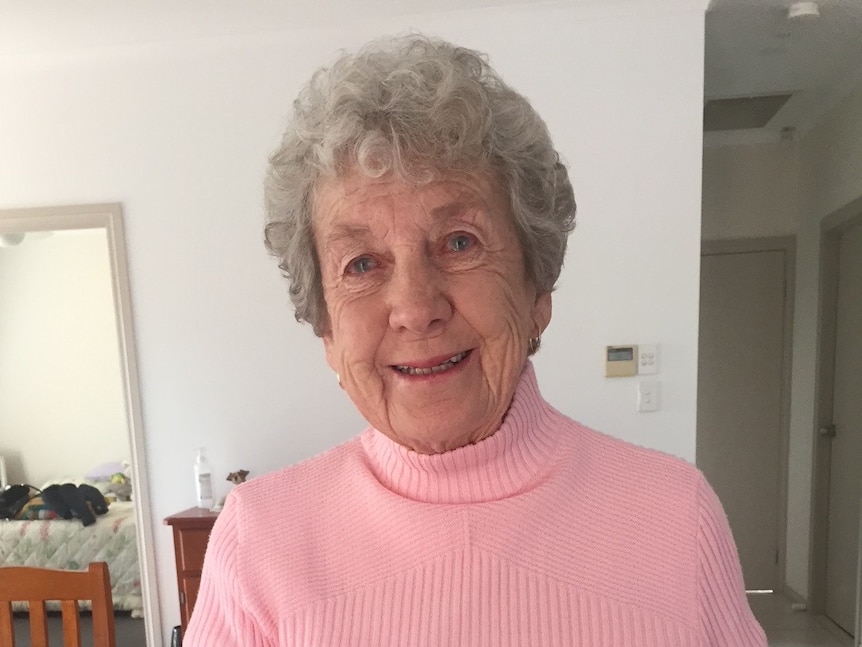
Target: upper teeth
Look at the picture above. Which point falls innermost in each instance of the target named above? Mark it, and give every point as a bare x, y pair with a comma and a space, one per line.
449, 363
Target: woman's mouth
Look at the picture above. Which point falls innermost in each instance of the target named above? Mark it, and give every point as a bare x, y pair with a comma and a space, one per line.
439, 368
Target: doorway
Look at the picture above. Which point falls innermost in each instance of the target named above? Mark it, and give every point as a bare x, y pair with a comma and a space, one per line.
838, 480
743, 394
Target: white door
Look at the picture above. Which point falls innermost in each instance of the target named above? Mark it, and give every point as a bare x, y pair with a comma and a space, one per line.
845, 477
739, 399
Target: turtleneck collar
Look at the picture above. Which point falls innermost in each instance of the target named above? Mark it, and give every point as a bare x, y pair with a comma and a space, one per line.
504, 464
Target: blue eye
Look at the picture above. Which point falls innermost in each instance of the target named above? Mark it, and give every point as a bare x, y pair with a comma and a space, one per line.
360, 265
460, 242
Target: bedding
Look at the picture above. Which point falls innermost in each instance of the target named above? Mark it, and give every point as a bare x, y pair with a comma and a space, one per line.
58, 543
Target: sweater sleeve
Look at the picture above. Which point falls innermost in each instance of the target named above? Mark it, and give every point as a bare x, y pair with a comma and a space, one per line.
725, 617
219, 618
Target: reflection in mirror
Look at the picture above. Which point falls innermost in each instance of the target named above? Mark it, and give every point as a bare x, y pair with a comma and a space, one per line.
69, 403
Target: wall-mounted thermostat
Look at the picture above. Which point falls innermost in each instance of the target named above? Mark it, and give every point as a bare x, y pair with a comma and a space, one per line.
621, 361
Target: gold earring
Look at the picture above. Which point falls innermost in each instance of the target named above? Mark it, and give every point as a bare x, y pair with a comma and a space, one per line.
338, 378
533, 344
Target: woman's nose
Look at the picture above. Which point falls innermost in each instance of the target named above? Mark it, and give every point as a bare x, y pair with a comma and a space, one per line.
418, 302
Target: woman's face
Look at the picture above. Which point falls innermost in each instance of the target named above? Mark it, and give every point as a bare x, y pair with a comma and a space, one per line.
430, 309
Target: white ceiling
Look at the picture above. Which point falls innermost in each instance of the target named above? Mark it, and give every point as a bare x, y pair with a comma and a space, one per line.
751, 47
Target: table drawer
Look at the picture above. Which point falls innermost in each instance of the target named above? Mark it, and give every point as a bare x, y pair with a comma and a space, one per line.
193, 544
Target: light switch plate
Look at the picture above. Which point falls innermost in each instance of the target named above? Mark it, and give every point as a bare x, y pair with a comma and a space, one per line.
648, 393
647, 359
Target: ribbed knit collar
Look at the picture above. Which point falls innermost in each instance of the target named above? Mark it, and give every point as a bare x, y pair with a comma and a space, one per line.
504, 464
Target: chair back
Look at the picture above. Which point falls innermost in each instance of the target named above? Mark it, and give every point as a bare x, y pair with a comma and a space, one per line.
38, 585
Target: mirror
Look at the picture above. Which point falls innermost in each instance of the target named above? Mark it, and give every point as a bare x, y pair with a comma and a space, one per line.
71, 406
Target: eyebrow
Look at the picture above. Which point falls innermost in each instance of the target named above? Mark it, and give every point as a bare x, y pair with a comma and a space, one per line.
344, 232
455, 208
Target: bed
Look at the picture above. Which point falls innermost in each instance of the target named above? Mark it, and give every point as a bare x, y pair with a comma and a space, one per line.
58, 543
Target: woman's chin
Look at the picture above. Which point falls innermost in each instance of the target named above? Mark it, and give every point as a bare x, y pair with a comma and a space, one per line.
436, 412
444, 427
438, 441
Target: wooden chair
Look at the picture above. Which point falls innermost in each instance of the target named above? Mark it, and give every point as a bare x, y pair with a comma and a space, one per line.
37, 585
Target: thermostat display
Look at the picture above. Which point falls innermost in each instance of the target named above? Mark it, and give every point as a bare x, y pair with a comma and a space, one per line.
620, 361
621, 354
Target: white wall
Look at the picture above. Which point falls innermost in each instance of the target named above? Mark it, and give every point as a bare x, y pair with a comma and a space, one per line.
179, 134
832, 158
831, 177
62, 408
750, 191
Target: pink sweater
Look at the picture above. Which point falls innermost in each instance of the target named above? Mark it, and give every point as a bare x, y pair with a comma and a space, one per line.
546, 533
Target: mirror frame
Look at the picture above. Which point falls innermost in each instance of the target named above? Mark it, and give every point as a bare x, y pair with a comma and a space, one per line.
108, 217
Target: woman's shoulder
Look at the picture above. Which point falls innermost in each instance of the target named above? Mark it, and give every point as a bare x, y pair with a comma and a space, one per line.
631, 455
619, 463
313, 475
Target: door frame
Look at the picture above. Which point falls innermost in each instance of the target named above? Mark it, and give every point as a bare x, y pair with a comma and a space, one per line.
831, 228
786, 244
108, 217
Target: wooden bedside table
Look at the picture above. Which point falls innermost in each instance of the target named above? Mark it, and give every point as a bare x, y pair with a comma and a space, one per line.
192, 529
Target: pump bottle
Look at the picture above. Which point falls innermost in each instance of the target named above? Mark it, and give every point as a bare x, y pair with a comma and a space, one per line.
203, 481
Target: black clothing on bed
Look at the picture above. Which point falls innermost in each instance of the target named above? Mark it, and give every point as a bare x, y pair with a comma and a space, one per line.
82, 501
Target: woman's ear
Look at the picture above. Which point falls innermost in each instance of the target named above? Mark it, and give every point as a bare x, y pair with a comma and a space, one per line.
328, 347
541, 314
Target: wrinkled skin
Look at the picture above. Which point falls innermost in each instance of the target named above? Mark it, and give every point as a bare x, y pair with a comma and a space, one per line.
413, 276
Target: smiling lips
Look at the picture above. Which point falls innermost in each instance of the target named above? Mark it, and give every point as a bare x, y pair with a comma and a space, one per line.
439, 368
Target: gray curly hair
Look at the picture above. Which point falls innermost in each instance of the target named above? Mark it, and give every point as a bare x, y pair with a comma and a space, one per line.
415, 106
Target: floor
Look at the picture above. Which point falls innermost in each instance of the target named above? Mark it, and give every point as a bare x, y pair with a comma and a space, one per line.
130, 631
788, 628
784, 627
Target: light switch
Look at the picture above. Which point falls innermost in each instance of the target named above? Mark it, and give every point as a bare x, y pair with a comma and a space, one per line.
648, 395
647, 359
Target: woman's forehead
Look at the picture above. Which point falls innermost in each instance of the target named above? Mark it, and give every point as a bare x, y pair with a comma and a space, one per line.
356, 197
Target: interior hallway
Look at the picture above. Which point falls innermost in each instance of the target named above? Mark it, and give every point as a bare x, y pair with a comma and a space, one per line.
788, 628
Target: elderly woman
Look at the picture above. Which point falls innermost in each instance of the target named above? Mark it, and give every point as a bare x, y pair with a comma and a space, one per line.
420, 212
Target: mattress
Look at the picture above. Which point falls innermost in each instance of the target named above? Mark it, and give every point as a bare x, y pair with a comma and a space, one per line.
69, 545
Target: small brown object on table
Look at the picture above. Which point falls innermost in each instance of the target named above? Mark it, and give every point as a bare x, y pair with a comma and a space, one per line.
192, 529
